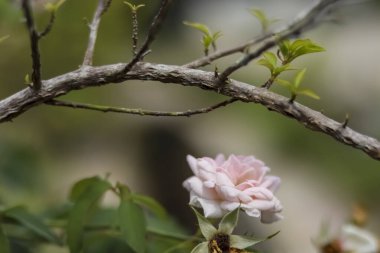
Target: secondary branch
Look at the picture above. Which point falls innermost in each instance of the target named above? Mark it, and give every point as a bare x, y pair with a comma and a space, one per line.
139, 111
34, 39
102, 7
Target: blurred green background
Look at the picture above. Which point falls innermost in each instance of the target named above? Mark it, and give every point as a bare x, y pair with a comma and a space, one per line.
43, 151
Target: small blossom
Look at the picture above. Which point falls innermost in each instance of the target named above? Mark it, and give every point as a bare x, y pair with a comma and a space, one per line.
357, 240
220, 185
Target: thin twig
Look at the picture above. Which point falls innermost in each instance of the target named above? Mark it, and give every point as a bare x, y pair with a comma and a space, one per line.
102, 7
140, 112
153, 30
49, 26
301, 23
34, 38
206, 60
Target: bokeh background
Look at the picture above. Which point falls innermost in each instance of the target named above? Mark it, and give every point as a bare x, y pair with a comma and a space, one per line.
45, 150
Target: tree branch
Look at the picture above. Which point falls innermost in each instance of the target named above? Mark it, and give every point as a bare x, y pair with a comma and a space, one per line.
34, 38
301, 23
139, 111
23, 100
102, 7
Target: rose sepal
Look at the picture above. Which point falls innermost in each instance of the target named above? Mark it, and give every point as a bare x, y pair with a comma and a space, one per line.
207, 229
242, 242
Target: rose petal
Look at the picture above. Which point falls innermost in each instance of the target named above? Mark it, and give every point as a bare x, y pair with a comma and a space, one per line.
259, 193
228, 193
222, 179
211, 208
229, 206
193, 163
195, 185
262, 205
271, 182
252, 212
219, 159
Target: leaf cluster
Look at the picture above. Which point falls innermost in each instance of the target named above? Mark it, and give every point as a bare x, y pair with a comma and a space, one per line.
289, 51
208, 38
81, 222
269, 61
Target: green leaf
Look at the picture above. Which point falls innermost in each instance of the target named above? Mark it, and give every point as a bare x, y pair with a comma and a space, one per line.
263, 19
299, 77
87, 194
265, 63
32, 222
4, 243
151, 204
271, 58
216, 35
208, 37
301, 47
309, 93
201, 248
269, 61
81, 186
200, 27
206, 41
242, 242
207, 229
132, 224
281, 69
27, 79
53, 7
260, 15
284, 83
4, 38
134, 8
284, 46
229, 222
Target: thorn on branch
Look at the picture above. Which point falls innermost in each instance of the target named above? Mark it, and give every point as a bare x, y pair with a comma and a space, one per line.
216, 74
346, 120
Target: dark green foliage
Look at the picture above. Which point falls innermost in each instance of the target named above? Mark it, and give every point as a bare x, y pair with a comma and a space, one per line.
87, 193
21, 216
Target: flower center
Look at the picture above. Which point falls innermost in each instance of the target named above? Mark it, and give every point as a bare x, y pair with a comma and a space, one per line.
220, 243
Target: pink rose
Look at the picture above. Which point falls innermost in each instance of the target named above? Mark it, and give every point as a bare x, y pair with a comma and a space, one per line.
219, 186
